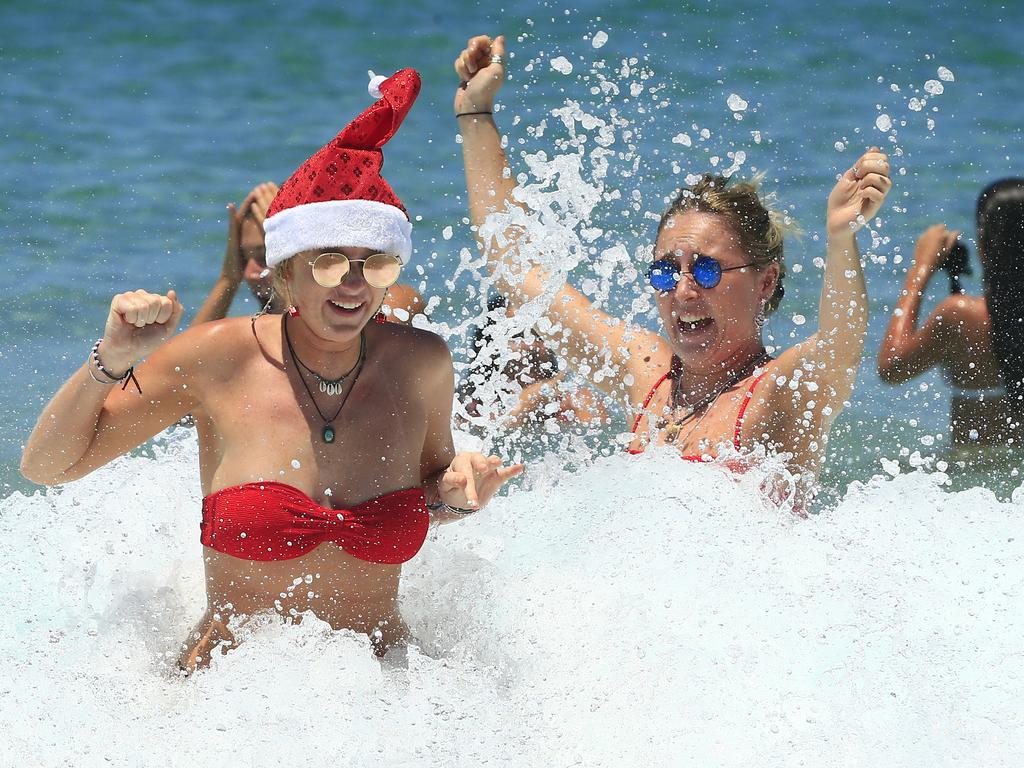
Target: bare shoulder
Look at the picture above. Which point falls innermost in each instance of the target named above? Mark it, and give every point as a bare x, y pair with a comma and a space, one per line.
959, 311
216, 348
414, 349
648, 361
229, 335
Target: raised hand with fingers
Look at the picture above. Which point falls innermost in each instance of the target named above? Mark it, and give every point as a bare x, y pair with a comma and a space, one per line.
138, 322
472, 479
933, 247
481, 71
257, 203
859, 193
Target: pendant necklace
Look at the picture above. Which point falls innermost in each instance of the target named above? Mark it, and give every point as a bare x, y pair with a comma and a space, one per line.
331, 387
705, 403
327, 433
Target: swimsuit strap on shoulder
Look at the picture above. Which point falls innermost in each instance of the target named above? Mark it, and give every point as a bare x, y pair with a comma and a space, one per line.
743, 409
647, 400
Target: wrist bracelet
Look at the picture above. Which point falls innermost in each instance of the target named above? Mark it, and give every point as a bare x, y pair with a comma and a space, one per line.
470, 114
127, 376
439, 505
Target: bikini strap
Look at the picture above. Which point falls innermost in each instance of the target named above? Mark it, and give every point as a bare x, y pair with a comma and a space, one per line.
747, 397
647, 400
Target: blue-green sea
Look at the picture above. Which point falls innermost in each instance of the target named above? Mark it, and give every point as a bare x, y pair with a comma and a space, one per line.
127, 127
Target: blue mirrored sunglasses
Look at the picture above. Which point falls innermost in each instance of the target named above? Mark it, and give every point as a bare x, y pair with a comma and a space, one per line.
664, 274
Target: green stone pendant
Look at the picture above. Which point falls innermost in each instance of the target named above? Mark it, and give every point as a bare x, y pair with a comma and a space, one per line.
328, 433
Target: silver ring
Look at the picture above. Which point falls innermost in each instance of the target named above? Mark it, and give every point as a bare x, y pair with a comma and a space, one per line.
497, 58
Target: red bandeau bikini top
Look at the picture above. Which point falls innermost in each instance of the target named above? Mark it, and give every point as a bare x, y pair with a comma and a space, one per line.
275, 521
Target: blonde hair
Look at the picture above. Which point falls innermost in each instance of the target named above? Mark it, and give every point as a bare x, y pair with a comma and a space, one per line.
279, 278
758, 228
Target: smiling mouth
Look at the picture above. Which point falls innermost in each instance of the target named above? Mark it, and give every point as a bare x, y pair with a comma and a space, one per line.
346, 306
693, 323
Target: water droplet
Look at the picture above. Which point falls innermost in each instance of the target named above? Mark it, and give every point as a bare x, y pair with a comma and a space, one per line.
946, 74
799, 319
934, 87
682, 138
295, 464
883, 122
840, 146
600, 38
562, 65
736, 102
446, 233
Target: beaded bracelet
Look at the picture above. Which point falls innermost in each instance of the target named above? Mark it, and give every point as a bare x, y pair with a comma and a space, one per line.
127, 376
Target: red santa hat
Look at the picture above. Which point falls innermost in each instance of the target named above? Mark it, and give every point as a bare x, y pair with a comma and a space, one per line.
337, 197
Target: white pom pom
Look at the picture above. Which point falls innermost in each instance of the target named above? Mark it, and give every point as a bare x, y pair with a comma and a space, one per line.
374, 87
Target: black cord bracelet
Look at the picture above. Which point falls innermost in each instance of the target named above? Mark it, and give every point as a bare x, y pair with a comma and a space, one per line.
128, 376
470, 114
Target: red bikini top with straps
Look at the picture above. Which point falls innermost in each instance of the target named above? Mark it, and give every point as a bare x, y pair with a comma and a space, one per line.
275, 521
670, 375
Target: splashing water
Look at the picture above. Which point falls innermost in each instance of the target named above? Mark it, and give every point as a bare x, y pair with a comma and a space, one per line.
633, 619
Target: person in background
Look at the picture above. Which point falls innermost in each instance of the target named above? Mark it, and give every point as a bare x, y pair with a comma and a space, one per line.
245, 259
977, 341
534, 370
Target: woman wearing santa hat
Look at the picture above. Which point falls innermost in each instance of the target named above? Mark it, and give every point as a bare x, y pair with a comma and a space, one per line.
325, 445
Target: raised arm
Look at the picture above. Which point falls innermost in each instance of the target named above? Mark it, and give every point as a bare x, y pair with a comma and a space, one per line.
591, 340
908, 351
825, 365
92, 419
236, 260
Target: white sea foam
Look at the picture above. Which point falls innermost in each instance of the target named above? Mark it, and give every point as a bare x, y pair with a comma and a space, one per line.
639, 610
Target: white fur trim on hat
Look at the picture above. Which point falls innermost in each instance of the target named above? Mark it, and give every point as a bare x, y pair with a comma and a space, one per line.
338, 224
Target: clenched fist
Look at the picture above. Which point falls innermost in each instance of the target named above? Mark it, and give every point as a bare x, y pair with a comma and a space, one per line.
138, 323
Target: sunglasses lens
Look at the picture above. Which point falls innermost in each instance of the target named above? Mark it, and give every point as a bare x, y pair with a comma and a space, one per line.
707, 272
664, 275
329, 269
381, 270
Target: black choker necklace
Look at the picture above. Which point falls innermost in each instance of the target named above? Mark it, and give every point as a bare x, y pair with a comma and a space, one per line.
333, 387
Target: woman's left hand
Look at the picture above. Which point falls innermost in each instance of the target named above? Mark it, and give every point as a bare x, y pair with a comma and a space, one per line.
859, 193
472, 479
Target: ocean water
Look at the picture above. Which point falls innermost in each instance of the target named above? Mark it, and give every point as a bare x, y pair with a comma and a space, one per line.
637, 610
608, 608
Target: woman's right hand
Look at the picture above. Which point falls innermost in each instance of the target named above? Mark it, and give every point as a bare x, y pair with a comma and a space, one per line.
138, 323
933, 247
256, 204
480, 79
